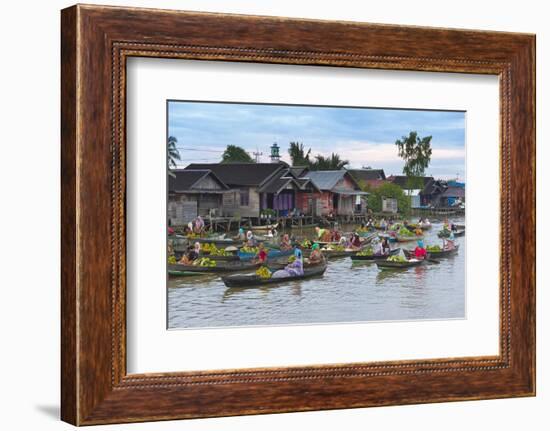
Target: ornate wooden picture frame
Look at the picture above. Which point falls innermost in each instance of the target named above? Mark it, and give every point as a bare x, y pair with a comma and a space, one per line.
96, 42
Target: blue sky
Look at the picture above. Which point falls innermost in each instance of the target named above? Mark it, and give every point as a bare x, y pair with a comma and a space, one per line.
364, 136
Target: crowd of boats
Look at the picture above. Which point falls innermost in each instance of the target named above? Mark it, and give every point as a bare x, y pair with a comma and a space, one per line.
261, 256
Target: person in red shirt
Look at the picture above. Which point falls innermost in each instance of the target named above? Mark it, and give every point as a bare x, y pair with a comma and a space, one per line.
420, 251
261, 257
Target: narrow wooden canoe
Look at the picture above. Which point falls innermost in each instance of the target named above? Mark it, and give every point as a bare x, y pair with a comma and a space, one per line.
226, 258
239, 280
446, 234
263, 227
271, 254
436, 254
333, 254
385, 264
401, 238
220, 267
375, 257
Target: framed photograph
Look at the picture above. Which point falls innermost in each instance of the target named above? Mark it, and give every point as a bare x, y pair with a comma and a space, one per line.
263, 214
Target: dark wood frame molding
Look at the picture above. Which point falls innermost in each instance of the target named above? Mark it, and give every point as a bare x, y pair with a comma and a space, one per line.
95, 43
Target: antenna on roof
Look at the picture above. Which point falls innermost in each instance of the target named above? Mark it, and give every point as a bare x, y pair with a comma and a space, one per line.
257, 155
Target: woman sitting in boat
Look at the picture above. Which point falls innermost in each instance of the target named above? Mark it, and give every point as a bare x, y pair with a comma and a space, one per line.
355, 242
335, 236
420, 251
250, 240
199, 224
386, 248
191, 255
322, 234
316, 256
261, 257
285, 243
449, 243
377, 248
241, 236
294, 269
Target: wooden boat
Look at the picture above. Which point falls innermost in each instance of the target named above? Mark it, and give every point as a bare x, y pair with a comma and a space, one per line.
446, 234
218, 240
239, 280
402, 238
385, 264
372, 257
174, 273
333, 254
220, 267
226, 258
305, 226
263, 227
271, 254
436, 254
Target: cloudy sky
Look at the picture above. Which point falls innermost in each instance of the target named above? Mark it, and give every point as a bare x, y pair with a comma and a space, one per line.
364, 136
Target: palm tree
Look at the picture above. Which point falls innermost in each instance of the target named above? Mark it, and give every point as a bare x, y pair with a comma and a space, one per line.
173, 154
332, 163
298, 154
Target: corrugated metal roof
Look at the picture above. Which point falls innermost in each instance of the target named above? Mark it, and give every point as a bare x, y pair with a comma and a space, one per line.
325, 180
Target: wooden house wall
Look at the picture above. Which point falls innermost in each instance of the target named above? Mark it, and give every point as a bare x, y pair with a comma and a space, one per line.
232, 207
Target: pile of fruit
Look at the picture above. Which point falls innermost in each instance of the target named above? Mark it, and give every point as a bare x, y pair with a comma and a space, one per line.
291, 259
263, 272
396, 258
247, 249
172, 260
204, 261
335, 248
306, 243
213, 250
366, 252
435, 248
405, 232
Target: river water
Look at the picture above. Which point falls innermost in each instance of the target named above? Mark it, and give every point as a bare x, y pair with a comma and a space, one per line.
347, 292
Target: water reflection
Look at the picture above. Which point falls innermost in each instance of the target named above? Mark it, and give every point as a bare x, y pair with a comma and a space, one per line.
347, 292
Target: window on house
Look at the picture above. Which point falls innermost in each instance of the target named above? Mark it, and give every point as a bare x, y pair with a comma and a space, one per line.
245, 196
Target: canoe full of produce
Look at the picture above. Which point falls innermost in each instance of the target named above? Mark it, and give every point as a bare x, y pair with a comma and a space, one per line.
368, 255
206, 265
398, 262
253, 280
248, 253
446, 233
211, 251
436, 252
336, 253
406, 238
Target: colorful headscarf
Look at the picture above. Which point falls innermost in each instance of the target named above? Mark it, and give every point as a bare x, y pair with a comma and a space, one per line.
420, 243
315, 246
298, 253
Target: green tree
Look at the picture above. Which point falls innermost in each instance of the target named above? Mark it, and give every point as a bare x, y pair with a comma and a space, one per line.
332, 163
235, 154
388, 190
173, 154
298, 154
417, 153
